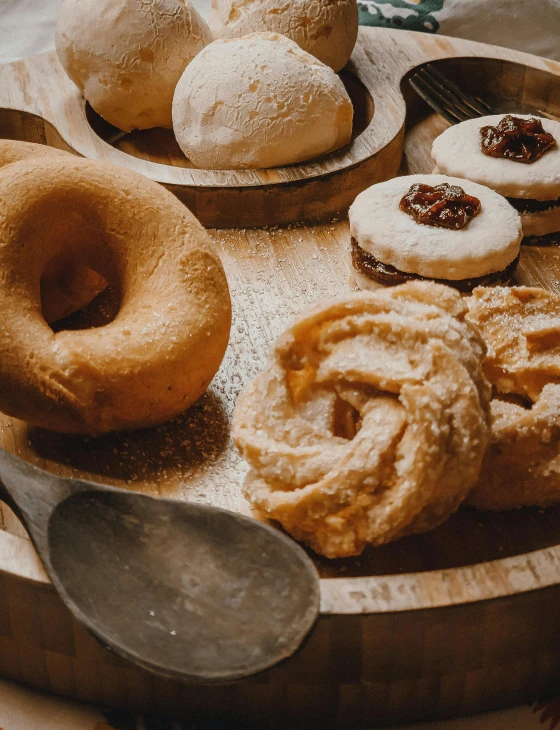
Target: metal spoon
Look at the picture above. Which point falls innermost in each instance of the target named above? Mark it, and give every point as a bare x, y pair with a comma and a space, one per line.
185, 590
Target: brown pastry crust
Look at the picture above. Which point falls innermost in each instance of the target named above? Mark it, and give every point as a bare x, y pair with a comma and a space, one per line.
388, 275
167, 341
522, 464
65, 286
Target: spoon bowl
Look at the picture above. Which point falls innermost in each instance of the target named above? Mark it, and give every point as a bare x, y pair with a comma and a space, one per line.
185, 590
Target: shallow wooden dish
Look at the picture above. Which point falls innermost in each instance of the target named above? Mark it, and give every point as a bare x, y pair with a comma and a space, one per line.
459, 620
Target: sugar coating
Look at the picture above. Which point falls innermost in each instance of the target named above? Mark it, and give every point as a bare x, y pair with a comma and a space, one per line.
370, 420
325, 28
488, 243
168, 339
457, 151
126, 56
259, 101
521, 327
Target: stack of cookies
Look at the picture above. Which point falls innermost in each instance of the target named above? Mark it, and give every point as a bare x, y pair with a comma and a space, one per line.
379, 413
496, 182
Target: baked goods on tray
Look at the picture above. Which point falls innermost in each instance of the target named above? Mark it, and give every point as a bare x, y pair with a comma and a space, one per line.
521, 327
370, 421
517, 156
325, 28
170, 334
259, 101
126, 56
433, 226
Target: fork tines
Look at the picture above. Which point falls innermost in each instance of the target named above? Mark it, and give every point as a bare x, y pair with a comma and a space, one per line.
446, 97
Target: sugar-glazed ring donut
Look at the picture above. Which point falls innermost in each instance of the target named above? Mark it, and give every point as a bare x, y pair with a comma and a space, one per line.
370, 421
171, 331
65, 287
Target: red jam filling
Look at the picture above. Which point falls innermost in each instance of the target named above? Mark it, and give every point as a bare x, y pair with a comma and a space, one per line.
521, 140
444, 206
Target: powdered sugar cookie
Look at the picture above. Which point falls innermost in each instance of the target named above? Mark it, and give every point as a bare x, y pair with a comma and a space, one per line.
406, 228
532, 186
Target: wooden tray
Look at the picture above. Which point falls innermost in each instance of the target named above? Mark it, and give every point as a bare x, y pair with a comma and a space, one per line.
458, 620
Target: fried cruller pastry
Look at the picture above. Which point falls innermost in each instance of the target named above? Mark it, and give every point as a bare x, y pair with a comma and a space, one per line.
521, 327
370, 420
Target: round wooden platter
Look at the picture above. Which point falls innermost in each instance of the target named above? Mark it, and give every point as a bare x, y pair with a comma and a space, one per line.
458, 620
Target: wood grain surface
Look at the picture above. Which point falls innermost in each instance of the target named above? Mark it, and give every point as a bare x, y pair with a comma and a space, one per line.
461, 619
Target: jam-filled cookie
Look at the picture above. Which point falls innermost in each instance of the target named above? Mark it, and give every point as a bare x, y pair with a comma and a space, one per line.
433, 227
517, 156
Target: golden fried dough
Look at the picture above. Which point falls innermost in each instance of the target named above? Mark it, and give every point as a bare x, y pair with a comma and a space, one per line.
370, 420
169, 336
521, 327
522, 464
65, 285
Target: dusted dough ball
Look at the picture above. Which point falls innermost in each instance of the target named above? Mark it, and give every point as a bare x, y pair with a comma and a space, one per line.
126, 56
325, 28
259, 101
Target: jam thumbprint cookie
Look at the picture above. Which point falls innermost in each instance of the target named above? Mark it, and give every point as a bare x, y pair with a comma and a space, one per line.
453, 231
517, 156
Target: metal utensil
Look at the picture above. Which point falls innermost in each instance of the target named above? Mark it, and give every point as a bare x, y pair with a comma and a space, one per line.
185, 590
449, 100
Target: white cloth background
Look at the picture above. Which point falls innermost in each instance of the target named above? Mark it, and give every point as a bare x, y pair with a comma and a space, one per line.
527, 25
27, 26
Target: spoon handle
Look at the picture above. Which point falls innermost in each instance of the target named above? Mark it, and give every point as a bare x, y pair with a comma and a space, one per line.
30, 492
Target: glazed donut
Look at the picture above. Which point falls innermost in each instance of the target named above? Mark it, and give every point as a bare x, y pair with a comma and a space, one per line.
65, 286
371, 420
521, 327
169, 336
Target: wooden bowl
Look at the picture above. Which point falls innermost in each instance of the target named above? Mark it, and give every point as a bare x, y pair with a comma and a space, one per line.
39, 102
459, 620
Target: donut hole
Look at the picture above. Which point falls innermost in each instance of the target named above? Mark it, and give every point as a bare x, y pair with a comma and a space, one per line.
101, 310
75, 296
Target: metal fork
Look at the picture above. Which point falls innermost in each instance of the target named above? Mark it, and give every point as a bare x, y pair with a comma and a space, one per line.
446, 98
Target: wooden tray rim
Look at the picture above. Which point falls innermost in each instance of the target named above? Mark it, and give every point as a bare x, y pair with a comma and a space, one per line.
525, 572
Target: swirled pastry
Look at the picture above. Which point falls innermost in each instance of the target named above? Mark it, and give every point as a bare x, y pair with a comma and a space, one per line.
370, 420
521, 327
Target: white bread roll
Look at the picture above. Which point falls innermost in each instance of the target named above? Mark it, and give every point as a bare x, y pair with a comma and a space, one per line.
325, 28
126, 56
259, 101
